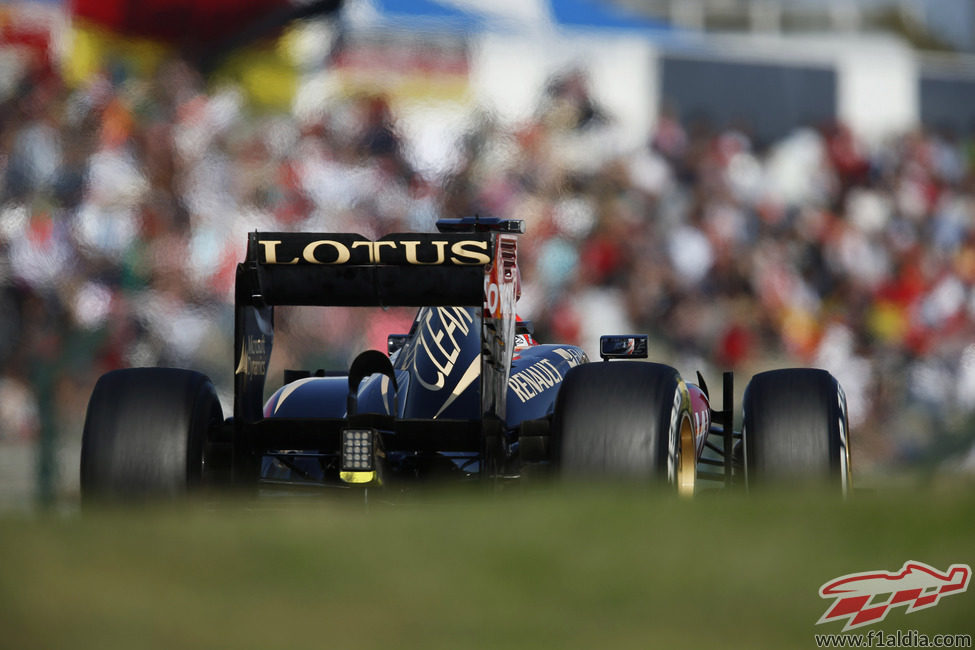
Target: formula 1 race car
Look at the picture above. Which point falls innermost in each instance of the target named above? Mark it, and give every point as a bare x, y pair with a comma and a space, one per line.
466, 394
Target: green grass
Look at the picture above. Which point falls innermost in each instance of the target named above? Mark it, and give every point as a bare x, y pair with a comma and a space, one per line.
597, 568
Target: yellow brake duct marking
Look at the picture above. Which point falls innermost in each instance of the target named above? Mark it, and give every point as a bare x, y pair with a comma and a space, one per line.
360, 477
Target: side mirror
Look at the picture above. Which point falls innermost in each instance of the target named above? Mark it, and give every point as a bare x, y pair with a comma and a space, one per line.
623, 346
394, 342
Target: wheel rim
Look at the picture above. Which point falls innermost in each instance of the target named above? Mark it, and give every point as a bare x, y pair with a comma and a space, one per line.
686, 465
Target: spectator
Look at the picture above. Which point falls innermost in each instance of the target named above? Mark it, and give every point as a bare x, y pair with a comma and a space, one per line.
122, 246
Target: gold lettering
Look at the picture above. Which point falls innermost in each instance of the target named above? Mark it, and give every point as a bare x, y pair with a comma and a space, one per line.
271, 251
374, 249
460, 250
341, 251
514, 385
377, 247
411, 257
534, 380
455, 317
469, 252
529, 377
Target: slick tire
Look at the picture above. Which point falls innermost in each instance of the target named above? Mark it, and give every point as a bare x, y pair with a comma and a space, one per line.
146, 433
624, 420
795, 429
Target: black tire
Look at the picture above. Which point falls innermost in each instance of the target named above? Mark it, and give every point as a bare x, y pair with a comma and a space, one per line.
795, 429
146, 433
624, 420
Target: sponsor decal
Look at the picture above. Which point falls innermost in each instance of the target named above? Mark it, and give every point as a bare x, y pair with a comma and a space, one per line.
866, 598
534, 379
253, 357
542, 375
573, 356
501, 284
353, 249
440, 338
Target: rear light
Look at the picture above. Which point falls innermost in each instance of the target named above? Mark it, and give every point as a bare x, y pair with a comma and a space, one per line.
358, 450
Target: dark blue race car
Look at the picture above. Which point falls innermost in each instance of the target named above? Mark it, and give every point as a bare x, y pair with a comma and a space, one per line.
467, 394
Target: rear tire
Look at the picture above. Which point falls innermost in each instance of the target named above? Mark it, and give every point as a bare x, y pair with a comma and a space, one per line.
625, 420
795, 429
146, 433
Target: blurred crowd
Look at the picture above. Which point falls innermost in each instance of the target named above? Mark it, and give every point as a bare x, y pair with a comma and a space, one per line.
740, 255
125, 203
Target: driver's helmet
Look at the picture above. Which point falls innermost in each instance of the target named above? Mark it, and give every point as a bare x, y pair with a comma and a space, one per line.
523, 334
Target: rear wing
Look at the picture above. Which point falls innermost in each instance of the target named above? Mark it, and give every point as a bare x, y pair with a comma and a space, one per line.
471, 268
349, 270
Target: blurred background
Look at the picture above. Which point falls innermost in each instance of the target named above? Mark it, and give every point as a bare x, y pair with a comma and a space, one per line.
754, 183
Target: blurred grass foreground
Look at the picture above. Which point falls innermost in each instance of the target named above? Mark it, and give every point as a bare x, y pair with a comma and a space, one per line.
751, 201
594, 568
